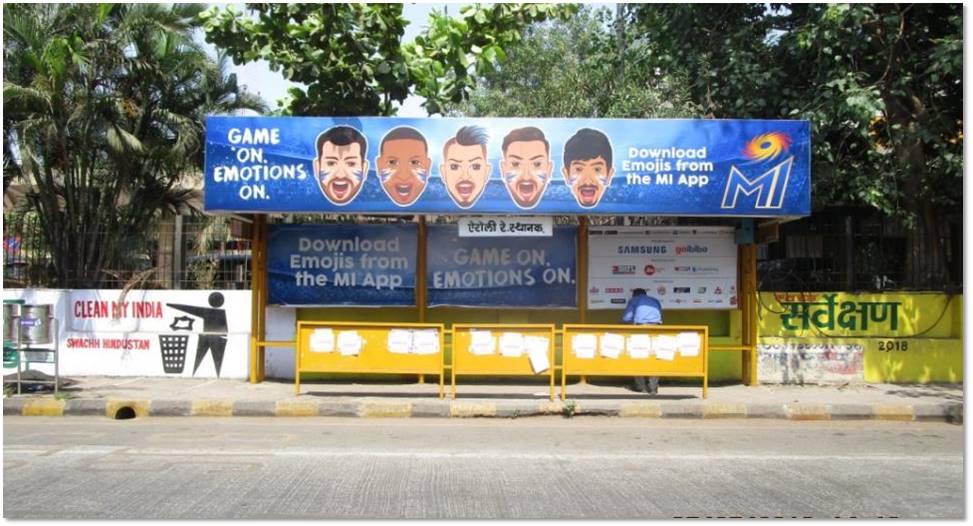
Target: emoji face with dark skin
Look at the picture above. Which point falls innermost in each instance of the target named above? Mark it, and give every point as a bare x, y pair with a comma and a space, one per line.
588, 179
340, 171
465, 172
526, 169
403, 169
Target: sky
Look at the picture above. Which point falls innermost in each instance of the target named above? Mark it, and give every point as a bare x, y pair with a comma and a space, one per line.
258, 78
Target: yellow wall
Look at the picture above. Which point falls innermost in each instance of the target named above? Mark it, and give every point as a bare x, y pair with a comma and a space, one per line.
924, 345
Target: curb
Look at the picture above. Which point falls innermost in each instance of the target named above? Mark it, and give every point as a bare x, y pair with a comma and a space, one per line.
950, 412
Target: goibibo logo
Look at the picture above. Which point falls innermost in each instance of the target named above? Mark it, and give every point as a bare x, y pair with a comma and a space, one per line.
770, 186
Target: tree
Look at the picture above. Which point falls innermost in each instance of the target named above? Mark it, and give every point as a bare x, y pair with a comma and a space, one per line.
104, 111
881, 85
351, 56
576, 68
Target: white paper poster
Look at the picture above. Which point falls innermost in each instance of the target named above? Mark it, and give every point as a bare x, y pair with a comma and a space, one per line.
482, 343
400, 341
612, 345
664, 346
349, 343
511, 344
584, 345
425, 341
688, 343
639, 346
321, 340
537, 351
682, 267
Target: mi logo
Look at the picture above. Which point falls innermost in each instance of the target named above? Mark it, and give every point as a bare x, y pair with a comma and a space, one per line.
770, 186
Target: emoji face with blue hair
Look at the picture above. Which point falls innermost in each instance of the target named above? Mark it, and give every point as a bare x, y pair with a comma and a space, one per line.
403, 165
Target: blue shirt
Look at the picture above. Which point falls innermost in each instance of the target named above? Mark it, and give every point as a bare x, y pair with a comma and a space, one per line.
643, 310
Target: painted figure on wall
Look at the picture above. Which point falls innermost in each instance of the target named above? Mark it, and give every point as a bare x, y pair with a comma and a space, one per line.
526, 165
213, 338
403, 165
587, 166
341, 166
465, 170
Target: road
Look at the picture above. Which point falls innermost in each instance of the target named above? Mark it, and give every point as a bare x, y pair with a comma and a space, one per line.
585, 467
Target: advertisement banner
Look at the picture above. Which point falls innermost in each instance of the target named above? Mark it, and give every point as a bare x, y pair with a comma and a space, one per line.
750, 168
501, 272
683, 267
369, 265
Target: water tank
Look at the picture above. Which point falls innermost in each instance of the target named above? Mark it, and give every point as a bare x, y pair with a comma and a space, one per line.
36, 324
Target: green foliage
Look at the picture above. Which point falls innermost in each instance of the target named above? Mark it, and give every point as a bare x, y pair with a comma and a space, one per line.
572, 68
351, 56
881, 85
104, 109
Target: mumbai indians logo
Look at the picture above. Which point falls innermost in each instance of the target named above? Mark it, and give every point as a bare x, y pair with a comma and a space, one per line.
770, 186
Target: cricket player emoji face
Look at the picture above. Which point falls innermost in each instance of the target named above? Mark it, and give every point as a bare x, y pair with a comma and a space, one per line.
465, 170
403, 165
587, 166
340, 166
526, 166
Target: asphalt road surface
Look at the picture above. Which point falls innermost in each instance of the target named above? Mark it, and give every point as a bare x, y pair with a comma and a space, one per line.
267, 468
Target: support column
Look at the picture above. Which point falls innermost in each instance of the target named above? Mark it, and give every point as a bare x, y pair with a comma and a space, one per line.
582, 278
748, 304
420, 293
258, 296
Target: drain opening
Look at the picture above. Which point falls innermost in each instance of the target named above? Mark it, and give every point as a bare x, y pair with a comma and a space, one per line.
124, 413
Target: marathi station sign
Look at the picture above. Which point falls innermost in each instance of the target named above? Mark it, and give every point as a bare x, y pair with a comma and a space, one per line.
388, 165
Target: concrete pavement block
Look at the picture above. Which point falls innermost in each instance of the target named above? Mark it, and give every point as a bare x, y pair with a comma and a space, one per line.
893, 412
798, 411
382, 409
723, 410
84, 407
952, 413
255, 408
607, 408
640, 409
141, 407
516, 409
851, 412
170, 408
682, 410
430, 409
43, 407
551, 408
466, 409
295, 408
333, 408
212, 408
14, 406
766, 411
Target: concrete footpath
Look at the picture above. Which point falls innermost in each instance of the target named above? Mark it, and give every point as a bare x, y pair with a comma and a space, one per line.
116, 397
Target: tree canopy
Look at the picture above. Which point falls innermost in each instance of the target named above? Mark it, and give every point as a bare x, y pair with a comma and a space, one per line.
881, 85
104, 107
352, 57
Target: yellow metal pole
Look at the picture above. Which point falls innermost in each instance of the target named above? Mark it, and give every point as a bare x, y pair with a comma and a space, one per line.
261, 349
748, 304
254, 298
421, 278
582, 278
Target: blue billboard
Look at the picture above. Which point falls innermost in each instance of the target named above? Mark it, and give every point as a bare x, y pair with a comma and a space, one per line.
341, 264
501, 271
390, 165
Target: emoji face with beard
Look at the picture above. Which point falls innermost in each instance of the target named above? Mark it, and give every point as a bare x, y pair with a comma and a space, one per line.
465, 170
403, 165
526, 166
341, 166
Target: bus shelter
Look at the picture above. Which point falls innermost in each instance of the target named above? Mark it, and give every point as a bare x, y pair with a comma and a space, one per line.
507, 246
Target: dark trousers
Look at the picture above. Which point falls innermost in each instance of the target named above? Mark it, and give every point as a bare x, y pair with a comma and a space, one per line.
647, 384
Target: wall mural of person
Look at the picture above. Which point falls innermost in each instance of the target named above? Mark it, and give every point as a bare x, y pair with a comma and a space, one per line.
526, 165
403, 165
213, 338
341, 167
465, 170
587, 166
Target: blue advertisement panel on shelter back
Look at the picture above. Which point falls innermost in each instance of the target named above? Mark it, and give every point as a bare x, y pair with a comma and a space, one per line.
390, 165
501, 271
341, 264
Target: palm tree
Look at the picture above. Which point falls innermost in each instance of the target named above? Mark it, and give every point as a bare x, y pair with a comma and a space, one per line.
104, 105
